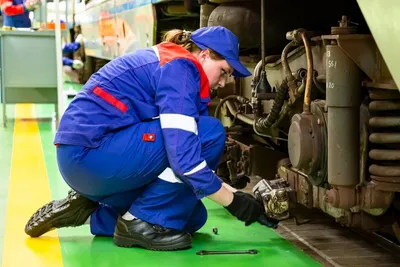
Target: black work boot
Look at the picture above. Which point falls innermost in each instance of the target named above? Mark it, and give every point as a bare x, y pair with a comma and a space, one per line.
150, 236
71, 211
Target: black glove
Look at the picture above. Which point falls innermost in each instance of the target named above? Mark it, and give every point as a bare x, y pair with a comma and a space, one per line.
245, 207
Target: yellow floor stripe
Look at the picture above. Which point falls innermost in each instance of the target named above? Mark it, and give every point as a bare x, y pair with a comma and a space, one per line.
28, 190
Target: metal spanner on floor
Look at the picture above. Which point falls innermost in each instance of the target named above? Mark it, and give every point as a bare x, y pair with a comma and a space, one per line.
221, 252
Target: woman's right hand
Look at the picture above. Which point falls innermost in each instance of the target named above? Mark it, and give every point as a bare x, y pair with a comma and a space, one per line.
245, 207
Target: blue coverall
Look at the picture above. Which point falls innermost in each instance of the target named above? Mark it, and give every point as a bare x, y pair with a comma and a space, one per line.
15, 15
137, 138
69, 49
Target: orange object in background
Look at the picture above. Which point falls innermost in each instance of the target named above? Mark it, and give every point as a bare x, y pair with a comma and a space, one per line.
52, 26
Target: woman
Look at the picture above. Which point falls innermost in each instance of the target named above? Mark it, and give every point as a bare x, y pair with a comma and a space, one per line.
16, 12
137, 139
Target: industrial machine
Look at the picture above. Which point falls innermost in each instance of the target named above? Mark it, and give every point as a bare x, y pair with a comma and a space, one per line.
318, 123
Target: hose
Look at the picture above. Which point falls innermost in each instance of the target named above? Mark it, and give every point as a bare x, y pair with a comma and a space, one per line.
268, 121
241, 99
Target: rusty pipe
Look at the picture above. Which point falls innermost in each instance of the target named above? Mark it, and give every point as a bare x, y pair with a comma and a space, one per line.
237, 114
310, 73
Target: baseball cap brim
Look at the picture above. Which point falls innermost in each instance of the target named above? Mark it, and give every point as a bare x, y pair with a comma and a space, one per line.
239, 69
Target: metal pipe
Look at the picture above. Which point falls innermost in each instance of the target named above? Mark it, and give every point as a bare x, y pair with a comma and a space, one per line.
60, 89
239, 98
263, 34
343, 96
236, 113
310, 73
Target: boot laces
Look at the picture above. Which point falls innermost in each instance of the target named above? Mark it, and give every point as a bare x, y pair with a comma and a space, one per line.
159, 228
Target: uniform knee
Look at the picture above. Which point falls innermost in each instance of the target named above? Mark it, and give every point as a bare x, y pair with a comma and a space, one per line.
197, 220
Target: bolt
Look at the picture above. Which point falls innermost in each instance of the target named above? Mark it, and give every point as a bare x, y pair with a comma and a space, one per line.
215, 230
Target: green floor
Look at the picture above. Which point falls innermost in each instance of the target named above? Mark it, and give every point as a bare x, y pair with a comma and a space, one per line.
80, 248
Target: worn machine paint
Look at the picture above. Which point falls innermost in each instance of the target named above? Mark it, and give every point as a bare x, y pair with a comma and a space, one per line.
318, 122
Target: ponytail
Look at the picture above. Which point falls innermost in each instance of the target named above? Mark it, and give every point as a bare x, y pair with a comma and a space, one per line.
177, 36
182, 38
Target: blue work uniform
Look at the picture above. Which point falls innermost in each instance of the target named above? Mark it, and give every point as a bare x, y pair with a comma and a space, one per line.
138, 138
69, 49
17, 16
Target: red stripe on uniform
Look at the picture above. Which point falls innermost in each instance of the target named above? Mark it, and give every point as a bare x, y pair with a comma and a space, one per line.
169, 51
110, 99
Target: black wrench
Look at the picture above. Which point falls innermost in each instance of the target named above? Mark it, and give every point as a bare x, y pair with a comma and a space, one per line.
220, 252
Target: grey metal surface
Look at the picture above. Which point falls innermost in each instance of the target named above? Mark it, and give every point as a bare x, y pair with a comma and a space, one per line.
383, 21
29, 60
343, 83
28, 68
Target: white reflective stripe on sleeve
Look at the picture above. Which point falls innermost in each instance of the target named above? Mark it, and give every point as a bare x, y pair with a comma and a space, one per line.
156, 51
178, 121
197, 168
169, 176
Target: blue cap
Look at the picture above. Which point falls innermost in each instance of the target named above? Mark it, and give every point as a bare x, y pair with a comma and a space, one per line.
224, 42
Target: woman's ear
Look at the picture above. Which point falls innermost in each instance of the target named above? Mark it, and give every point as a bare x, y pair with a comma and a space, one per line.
204, 54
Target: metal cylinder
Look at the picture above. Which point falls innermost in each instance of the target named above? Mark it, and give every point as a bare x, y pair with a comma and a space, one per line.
205, 11
343, 81
248, 30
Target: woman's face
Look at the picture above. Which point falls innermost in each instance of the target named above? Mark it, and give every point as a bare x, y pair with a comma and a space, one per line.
217, 71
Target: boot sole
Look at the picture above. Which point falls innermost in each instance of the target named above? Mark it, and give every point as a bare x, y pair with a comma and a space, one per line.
47, 219
129, 242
